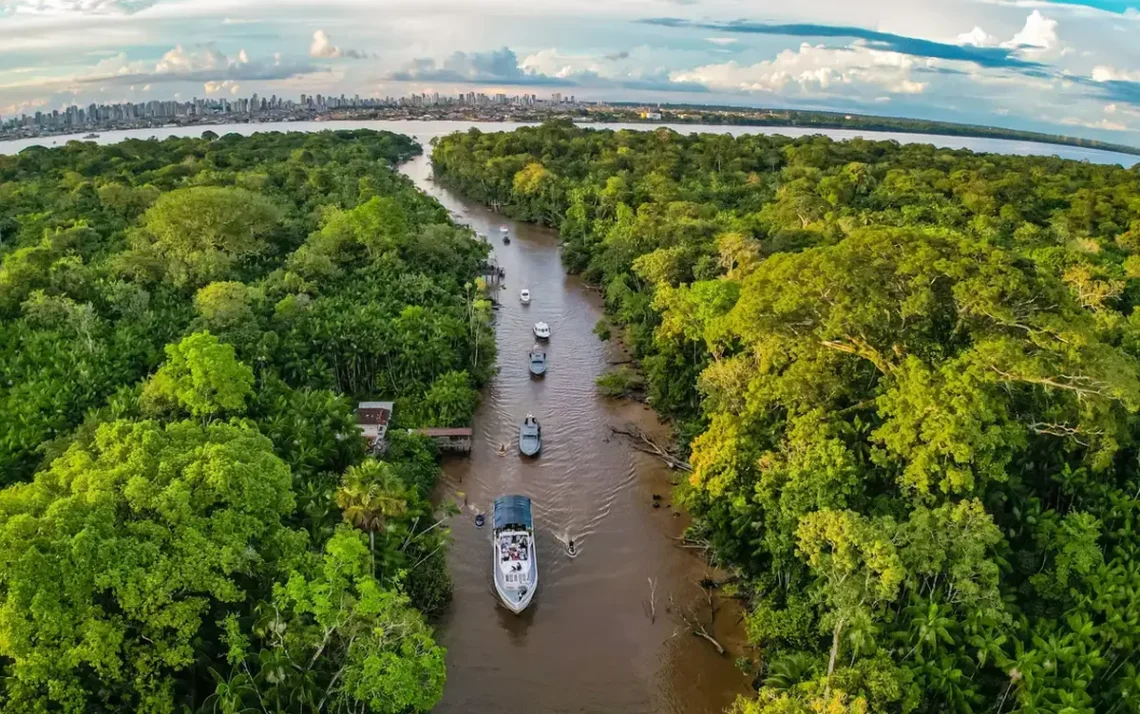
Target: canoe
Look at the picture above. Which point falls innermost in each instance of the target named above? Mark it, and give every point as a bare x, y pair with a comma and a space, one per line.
515, 558
530, 436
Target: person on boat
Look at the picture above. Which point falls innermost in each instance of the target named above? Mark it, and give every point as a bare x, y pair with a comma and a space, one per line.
570, 547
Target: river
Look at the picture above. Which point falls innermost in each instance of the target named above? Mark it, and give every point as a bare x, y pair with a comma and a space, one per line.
588, 642
427, 129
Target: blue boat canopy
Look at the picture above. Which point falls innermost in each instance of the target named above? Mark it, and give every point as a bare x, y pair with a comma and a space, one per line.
512, 511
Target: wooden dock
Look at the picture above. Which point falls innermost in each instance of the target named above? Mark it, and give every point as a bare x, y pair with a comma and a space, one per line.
456, 440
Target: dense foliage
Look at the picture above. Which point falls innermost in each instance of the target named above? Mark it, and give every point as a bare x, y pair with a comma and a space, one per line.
909, 377
191, 521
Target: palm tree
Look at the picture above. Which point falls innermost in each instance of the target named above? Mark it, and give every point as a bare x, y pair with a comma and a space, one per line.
368, 495
789, 670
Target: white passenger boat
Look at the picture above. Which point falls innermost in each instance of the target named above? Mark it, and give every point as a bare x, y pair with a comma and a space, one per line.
515, 556
542, 330
524, 296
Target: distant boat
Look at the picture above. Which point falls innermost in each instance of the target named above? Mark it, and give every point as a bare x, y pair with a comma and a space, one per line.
524, 296
515, 559
542, 330
479, 520
504, 230
91, 136
530, 436
506, 239
537, 362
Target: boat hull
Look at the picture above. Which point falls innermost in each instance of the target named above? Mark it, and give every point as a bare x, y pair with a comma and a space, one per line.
537, 363
515, 606
529, 446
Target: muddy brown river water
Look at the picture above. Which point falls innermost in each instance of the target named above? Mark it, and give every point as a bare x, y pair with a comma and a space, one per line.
587, 643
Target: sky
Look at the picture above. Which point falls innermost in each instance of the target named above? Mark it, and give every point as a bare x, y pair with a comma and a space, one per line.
1060, 67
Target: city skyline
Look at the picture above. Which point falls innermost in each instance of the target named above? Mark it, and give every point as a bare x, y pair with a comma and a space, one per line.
100, 115
1057, 67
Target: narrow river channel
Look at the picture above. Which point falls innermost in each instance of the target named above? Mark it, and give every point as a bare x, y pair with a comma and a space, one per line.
588, 643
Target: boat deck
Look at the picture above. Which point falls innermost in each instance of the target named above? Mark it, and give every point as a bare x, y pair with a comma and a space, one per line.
514, 558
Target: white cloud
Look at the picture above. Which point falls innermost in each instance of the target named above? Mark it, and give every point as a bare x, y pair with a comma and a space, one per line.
1105, 124
1037, 37
323, 48
978, 38
722, 41
75, 7
813, 69
204, 63
1104, 73
23, 107
224, 86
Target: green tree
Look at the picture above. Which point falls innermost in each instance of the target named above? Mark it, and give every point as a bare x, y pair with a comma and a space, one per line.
369, 495
200, 376
451, 400
118, 558
204, 231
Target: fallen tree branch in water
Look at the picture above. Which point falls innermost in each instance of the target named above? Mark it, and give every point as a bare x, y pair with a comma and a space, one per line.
690, 544
652, 600
648, 445
697, 628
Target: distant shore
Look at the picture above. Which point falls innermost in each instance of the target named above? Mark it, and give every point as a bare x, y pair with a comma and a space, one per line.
614, 113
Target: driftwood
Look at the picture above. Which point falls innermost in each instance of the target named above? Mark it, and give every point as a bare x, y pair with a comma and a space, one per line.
698, 628
652, 600
648, 445
690, 544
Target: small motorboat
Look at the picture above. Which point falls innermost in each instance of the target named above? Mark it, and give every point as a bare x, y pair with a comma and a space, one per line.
542, 330
524, 296
571, 551
504, 230
480, 519
506, 240
530, 436
515, 557
537, 362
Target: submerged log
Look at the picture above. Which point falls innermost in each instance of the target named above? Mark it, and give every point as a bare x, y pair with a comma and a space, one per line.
648, 445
